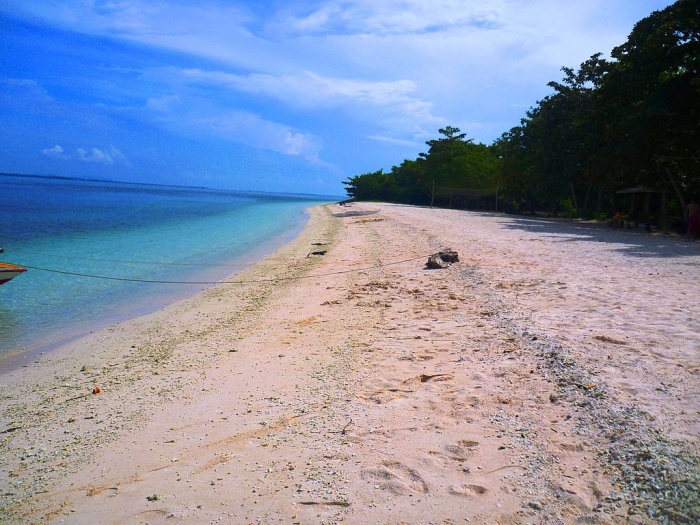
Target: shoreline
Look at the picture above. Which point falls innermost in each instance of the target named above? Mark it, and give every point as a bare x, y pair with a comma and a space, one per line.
124, 311
525, 383
37, 448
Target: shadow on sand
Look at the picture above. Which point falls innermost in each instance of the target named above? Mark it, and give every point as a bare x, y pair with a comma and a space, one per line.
635, 243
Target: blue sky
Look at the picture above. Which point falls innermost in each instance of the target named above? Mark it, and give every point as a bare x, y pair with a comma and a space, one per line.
272, 95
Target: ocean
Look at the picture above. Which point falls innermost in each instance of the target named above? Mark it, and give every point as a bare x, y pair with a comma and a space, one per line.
102, 252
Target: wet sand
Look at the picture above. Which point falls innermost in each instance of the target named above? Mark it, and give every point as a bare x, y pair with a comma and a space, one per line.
550, 376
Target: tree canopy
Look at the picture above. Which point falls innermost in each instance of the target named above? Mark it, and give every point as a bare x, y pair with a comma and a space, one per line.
632, 120
453, 166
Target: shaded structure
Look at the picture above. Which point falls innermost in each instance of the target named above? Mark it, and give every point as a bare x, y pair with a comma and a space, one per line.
642, 210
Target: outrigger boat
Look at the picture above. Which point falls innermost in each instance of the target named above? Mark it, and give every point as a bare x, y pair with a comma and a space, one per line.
9, 271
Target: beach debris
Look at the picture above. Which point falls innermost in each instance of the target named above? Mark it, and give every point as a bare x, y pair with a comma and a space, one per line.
343, 430
355, 213
337, 503
96, 491
442, 259
96, 390
610, 340
154, 497
317, 252
424, 378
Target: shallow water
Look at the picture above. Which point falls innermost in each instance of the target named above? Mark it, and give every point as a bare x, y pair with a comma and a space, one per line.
95, 249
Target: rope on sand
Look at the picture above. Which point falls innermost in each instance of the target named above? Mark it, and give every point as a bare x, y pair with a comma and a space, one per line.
242, 281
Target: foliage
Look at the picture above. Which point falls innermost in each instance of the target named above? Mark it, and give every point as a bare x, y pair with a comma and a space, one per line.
452, 163
632, 120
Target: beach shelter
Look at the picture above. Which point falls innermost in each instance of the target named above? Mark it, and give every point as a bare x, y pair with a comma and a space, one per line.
635, 215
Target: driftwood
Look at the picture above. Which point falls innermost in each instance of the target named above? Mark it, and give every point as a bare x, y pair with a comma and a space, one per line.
442, 259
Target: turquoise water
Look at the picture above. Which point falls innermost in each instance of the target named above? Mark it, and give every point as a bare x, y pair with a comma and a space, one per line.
110, 231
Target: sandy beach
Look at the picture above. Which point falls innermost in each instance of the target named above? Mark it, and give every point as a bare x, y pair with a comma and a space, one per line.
552, 375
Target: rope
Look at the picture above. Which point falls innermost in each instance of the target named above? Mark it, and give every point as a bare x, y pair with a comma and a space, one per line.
150, 263
252, 281
128, 261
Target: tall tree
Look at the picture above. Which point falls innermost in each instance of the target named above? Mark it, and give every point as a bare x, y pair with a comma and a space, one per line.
656, 86
441, 159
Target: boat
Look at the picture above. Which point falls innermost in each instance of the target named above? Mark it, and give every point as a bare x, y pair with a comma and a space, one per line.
9, 271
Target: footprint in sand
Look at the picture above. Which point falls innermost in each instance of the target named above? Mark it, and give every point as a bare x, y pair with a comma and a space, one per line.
459, 451
462, 448
381, 397
385, 395
459, 400
571, 447
95, 491
435, 378
468, 490
416, 357
397, 478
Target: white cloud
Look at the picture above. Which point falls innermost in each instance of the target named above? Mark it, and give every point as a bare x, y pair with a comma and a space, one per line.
393, 70
193, 114
205, 28
307, 88
107, 156
23, 93
164, 103
131, 17
206, 100
319, 35
390, 103
396, 142
250, 129
110, 156
55, 153
391, 16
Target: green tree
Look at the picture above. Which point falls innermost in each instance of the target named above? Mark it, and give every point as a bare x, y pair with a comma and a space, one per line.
411, 185
440, 162
368, 186
451, 161
654, 88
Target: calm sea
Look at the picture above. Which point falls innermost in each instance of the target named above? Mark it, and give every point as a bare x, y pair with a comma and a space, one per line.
122, 231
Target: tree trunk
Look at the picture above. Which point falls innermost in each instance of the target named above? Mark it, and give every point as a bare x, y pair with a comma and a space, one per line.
497, 185
586, 199
679, 194
613, 205
573, 197
664, 213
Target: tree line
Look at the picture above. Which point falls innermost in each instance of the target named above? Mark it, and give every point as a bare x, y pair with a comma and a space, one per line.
611, 130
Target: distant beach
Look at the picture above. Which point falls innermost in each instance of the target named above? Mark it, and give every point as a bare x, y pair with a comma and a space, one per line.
551, 375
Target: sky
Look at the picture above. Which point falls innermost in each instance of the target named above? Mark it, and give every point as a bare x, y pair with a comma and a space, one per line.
273, 95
